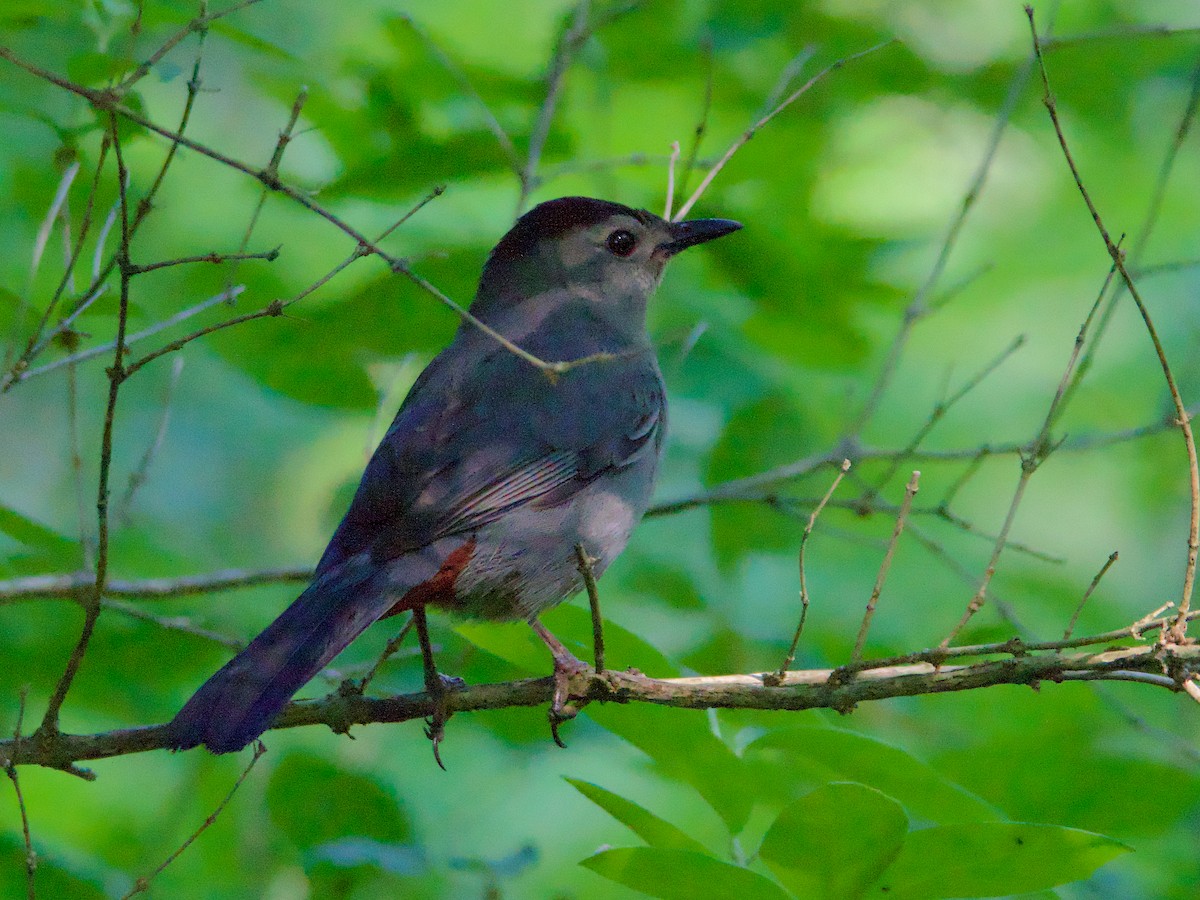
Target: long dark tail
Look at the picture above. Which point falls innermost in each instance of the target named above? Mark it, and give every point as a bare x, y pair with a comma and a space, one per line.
240, 701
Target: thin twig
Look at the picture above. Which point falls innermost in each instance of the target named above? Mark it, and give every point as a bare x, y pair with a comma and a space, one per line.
910, 491
271, 172
81, 584
1032, 457
689, 165
276, 307
101, 349
199, 24
753, 129
940, 409
573, 35
790, 656
671, 179
138, 476
511, 156
1119, 33
10, 769
65, 282
214, 257
919, 306
1179, 629
584, 563
1112, 558
389, 650
143, 883
116, 373
173, 623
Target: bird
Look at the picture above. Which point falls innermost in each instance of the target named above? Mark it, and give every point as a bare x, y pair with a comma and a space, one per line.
494, 469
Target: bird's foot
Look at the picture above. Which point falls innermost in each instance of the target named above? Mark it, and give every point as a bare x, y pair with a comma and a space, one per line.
560, 710
435, 724
566, 665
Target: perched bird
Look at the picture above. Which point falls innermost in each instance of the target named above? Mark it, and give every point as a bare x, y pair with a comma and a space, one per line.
492, 472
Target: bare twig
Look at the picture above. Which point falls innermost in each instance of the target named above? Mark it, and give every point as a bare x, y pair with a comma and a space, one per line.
1179, 629
173, 623
215, 258
116, 374
276, 307
199, 25
1031, 459
753, 129
1112, 558
270, 173
671, 179
910, 491
100, 350
939, 411
569, 41
1119, 33
143, 883
138, 476
584, 563
689, 165
389, 650
790, 656
10, 769
82, 584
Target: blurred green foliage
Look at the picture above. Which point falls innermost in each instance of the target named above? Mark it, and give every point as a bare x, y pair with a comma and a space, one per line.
771, 343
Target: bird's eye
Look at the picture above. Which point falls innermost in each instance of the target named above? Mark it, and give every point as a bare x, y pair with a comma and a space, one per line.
621, 243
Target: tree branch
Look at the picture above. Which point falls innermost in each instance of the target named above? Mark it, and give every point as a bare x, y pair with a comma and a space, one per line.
836, 689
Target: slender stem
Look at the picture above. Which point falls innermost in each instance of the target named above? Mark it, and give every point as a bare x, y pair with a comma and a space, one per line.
1183, 419
1112, 558
910, 491
116, 375
753, 129
790, 656
10, 769
143, 883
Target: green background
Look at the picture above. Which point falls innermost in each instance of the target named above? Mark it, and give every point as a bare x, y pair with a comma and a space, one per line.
770, 342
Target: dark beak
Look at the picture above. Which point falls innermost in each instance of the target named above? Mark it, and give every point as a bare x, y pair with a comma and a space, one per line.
697, 231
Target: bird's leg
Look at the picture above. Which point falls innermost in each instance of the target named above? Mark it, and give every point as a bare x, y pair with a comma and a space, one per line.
435, 725
585, 563
566, 664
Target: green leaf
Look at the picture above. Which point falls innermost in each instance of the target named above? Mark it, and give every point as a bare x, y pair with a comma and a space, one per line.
826, 754
314, 803
835, 841
650, 828
33, 534
681, 875
684, 747
989, 859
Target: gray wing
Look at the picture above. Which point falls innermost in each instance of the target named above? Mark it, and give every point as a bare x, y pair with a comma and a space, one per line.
473, 442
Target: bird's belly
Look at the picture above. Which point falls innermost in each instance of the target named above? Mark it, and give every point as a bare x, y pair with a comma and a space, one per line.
525, 562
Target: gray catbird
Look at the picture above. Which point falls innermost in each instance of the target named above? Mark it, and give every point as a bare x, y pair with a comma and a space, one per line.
492, 472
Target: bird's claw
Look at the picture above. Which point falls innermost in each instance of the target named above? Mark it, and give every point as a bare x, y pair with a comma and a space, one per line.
435, 724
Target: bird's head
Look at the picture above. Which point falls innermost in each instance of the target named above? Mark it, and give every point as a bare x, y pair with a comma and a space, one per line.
602, 253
